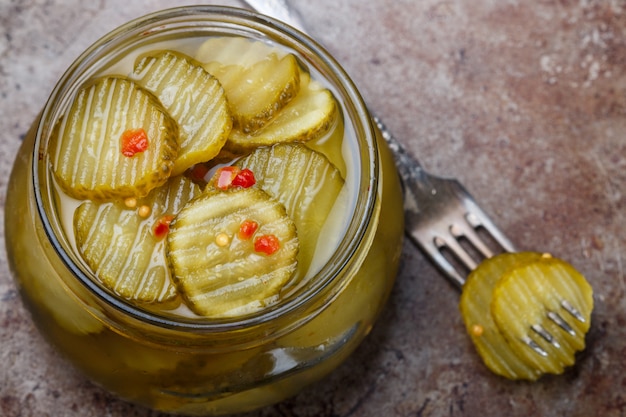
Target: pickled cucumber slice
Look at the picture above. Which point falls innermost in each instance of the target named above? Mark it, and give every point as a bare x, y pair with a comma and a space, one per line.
525, 296
305, 182
193, 97
235, 50
117, 241
310, 115
86, 154
256, 93
219, 272
475, 306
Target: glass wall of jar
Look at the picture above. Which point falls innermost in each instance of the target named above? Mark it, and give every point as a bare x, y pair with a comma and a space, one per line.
173, 360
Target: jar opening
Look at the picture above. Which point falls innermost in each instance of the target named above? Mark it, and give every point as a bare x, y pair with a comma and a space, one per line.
168, 26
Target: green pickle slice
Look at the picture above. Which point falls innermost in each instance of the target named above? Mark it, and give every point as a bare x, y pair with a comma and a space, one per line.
259, 79
194, 98
305, 182
310, 115
220, 271
123, 241
257, 93
87, 152
475, 306
235, 50
526, 295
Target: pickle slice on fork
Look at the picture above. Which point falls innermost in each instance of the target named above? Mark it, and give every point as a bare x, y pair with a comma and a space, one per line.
475, 306
527, 313
116, 141
544, 304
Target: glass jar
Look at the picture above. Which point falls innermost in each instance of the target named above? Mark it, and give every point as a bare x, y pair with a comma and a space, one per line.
191, 365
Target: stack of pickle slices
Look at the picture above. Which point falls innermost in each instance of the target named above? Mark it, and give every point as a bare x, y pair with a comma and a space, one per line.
505, 296
195, 184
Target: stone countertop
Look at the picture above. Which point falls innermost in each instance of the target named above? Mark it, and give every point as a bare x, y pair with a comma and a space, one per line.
524, 102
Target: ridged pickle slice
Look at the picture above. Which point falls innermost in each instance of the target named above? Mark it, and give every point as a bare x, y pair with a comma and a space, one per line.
235, 50
527, 294
123, 241
304, 181
231, 251
258, 92
194, 98
88, 154
475, 306
310, 115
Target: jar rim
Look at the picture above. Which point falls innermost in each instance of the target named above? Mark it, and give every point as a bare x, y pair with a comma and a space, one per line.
265, 26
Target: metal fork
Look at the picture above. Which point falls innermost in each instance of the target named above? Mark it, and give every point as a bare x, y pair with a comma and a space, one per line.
444, 221
441, 217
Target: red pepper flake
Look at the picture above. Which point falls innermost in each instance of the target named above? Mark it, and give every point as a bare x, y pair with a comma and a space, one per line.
162, 226
247, 229
267, 244
245, 179
224, 177
134, 141
231, 176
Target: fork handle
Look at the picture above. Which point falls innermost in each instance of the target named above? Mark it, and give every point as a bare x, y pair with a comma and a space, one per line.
415, 180
420, 189
409, 168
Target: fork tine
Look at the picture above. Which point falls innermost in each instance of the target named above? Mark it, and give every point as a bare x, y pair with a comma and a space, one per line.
561, 323
451, 241
546, 335
471, 234
479, 219
448, 238
455, 248
534, 346
433, 250
572, 310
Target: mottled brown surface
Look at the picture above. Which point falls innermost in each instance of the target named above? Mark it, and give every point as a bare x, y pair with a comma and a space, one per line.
523, 101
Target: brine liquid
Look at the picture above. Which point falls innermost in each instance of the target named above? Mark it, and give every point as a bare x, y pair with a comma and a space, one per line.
339, 145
